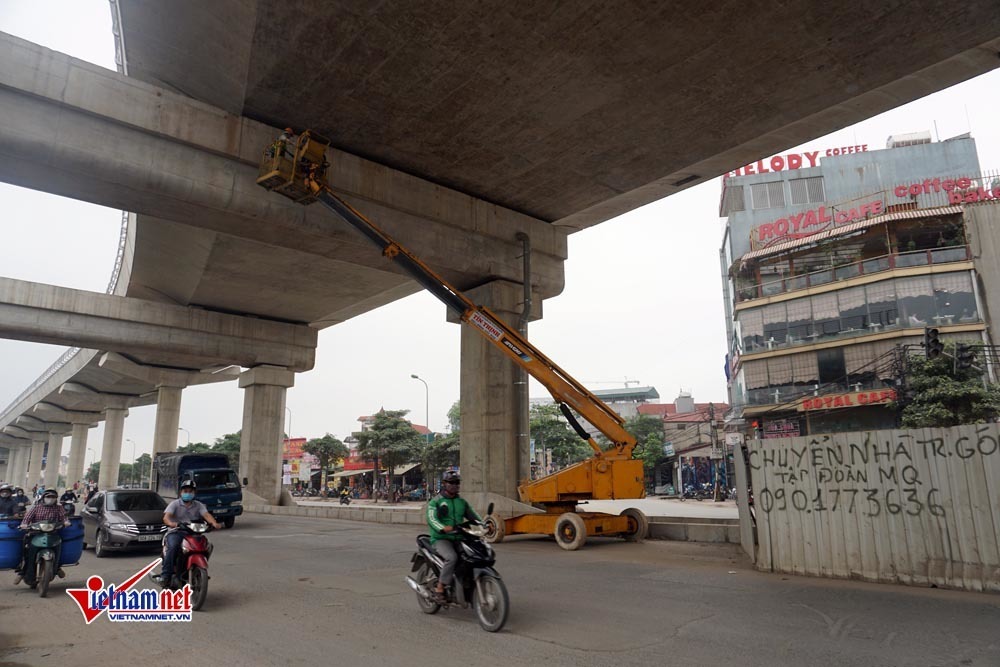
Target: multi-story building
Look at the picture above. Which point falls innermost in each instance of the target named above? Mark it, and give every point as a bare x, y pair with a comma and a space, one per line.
835, 260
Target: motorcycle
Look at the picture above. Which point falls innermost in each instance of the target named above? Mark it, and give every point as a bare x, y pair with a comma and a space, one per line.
345, 499
476, 581
41, 558
191, 566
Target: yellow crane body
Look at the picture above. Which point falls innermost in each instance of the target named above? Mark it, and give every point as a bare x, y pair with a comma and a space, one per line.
610, 473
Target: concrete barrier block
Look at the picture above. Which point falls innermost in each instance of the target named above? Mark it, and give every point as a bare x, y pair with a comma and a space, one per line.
706, 532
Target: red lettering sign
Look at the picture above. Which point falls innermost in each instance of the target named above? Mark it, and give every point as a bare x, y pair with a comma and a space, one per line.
852, 400
799, 225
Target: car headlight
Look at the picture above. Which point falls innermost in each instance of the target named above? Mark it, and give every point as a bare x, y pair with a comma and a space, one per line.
117, 526
236, 503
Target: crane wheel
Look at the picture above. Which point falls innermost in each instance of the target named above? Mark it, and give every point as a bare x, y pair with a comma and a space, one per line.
571, 531
494, 529
638, 525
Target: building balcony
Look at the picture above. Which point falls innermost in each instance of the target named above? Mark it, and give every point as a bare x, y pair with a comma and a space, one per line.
874, 265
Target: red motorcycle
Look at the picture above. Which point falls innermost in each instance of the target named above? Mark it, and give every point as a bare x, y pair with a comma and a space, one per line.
191, 566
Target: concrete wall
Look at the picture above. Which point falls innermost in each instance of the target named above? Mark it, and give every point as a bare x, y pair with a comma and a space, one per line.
982, 223
904, 506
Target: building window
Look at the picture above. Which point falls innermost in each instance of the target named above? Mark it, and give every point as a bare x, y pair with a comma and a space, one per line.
832, 368
767, 195
733, 200
807, 190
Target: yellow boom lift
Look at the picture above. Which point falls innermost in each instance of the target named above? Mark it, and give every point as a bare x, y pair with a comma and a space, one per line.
609, 473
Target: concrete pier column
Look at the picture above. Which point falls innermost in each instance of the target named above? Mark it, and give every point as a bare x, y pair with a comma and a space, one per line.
492, 462
20, 465
168, 419
35, 462
77, 453
5, 466
53, 458
111, 451
263, 418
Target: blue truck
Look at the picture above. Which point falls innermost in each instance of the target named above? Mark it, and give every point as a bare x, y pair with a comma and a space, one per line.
218, 485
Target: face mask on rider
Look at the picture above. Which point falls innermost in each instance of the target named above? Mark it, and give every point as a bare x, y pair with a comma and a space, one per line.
187, 497
49, 501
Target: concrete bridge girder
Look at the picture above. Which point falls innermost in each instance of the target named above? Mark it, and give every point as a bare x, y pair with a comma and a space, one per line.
127, 144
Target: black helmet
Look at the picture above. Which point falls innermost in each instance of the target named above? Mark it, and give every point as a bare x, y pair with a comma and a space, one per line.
189, 484
50, 493
451, 477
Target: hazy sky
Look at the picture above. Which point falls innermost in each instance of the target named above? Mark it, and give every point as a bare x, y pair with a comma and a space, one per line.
643, 295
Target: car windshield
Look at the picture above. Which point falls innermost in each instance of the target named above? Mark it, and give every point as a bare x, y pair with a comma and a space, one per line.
135, 502
211, 479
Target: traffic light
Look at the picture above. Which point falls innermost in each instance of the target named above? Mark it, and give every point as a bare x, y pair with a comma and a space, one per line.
932, 343
964, 355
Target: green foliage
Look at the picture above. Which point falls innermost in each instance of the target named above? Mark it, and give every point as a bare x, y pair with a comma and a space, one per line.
229, 444
549, 430
93, 472
938, 395
327, 449
391, 441
195, 448
649, 436
455, 417
440, 454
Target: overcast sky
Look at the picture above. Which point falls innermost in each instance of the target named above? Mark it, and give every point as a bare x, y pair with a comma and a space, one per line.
643, 297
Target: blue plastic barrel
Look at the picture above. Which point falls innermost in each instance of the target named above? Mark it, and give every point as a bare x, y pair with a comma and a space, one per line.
72, 541
10, 544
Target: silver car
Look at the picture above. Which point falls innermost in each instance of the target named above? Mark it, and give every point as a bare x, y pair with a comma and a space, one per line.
123, 519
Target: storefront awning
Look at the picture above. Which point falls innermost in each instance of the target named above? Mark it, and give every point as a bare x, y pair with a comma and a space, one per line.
351, 473
847, 229
402, 470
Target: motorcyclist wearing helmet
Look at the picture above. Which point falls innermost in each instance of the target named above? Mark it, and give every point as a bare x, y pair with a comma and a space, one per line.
9, 505
46, 510
445, 513
20, 497
68, 496
182, 510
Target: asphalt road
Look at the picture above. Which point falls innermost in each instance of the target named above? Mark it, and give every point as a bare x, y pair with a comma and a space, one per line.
298, 591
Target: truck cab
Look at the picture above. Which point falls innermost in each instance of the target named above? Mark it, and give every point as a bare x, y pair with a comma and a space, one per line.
217, 483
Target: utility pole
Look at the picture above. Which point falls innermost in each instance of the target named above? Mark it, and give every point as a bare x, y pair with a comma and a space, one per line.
715, 448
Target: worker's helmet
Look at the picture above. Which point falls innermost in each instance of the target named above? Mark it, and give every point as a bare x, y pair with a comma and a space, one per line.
189, 484
451, 477
50, 493
289, 130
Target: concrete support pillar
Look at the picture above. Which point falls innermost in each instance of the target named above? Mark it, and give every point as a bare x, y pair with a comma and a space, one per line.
492, 461
111, 451
20, 465
35, 462
5, 466
263, 418
77, 453
52, 460
168, 419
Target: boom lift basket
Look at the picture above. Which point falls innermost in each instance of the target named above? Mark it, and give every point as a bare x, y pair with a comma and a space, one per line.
287, 175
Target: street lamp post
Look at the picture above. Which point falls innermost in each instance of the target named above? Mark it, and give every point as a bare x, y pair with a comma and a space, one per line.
289, 429
131, 475
92, 459
427, 405
186, 432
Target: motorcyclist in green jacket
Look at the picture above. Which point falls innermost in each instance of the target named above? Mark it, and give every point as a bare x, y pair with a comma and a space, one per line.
445, 513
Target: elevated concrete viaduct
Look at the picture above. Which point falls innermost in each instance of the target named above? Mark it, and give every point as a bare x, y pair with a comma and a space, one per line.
454, 129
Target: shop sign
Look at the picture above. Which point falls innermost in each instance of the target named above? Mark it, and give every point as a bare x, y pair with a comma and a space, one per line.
782, 428
853, 400
793, 160
806, 223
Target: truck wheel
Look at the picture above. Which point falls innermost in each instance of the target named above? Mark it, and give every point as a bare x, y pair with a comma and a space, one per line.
571, 531
638, 525
229, 521
495, 529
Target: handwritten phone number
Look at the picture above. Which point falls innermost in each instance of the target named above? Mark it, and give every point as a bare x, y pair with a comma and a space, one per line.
870, 502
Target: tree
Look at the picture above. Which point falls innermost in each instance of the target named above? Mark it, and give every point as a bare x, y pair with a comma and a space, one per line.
93, 472
442, 453
327, 449
142, 468
649, 437
390, 441
550, 432
939, 395
195, 447
229, 444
